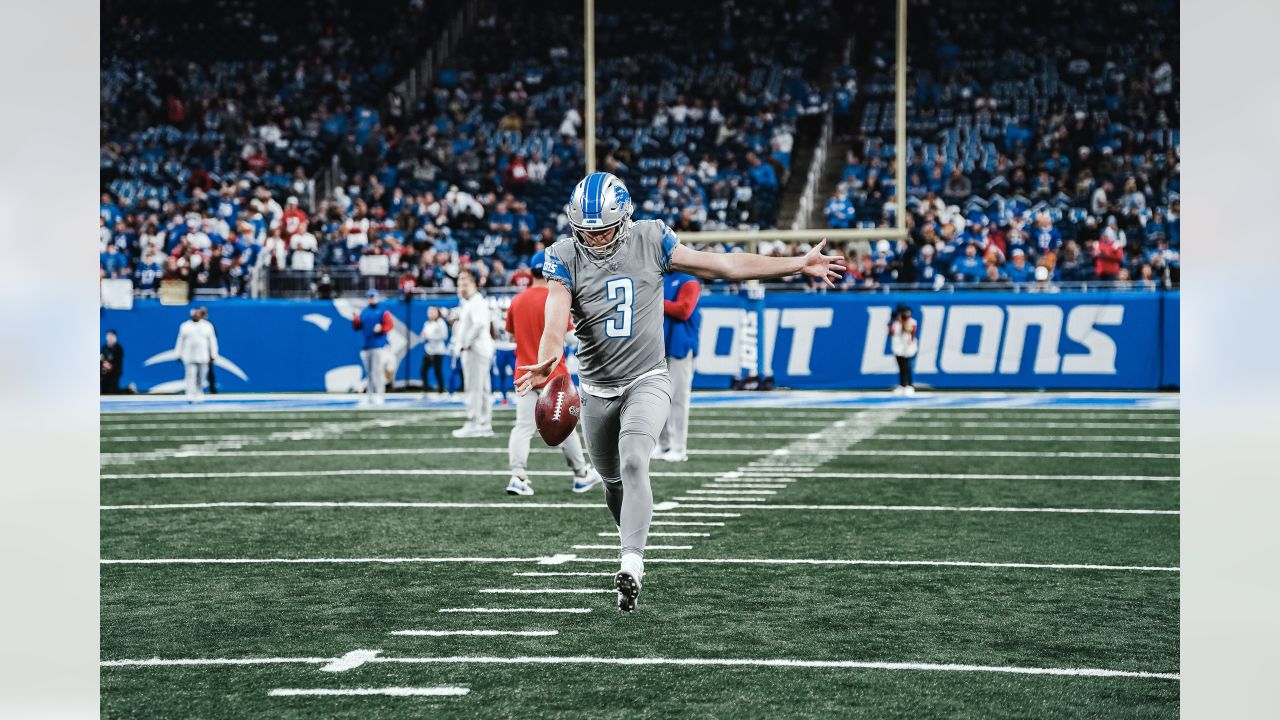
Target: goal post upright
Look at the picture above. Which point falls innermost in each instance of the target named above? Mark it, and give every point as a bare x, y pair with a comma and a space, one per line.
589, 84
900, 122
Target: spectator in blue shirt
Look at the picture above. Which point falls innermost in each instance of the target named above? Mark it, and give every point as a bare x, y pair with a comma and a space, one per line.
854, 170
1018, 271
1046, 239
113, 263
927, 270
969, 267
839, 211
109, 211
501, 221
150, 271
761, 173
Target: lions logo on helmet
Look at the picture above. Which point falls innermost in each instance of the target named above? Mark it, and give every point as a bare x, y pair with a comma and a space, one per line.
598, 203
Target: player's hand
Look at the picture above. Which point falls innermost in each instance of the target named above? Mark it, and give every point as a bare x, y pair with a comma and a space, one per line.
827, 268
535, 374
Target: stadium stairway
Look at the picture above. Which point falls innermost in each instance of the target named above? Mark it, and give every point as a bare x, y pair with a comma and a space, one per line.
829, 178
808, 130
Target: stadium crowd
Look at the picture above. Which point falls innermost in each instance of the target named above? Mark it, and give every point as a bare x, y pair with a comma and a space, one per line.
1058, 151
208, 167
1019, 159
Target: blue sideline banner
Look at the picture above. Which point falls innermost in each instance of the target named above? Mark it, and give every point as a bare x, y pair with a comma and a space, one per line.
265, 345
812, 341
966, 340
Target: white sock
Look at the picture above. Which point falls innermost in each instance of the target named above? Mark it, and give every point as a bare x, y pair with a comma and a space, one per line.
633, 564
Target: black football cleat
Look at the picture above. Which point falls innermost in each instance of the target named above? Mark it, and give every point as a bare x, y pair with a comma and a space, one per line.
628, 587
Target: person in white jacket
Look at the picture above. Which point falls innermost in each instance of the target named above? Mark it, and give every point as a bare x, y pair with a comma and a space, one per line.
435, 336
902, 340
197, 347
473, 336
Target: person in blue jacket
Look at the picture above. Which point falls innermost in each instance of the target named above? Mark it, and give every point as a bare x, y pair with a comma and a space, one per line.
374, 324
681, 322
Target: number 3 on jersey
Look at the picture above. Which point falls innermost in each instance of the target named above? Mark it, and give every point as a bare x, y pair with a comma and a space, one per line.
621, 290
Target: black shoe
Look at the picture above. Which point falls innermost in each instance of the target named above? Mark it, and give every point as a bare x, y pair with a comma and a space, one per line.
628, 588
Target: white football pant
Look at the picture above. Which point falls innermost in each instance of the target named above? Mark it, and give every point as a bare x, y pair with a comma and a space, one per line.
375, 371
194, 379
523, 431
675, 434
479, 388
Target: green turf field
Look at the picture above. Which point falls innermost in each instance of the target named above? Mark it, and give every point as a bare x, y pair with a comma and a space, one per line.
803, 563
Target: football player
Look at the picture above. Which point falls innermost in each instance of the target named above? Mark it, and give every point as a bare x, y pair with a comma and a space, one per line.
609, 274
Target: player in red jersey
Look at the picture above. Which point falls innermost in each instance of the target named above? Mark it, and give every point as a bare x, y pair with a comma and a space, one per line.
526, 319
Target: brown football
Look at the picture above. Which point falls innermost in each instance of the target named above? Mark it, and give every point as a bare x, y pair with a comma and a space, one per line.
557, 410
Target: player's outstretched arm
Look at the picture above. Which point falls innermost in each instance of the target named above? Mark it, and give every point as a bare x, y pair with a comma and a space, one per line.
749, 266
551, 348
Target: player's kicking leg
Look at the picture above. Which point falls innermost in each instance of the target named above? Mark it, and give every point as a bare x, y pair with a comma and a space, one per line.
644, 412
601, 425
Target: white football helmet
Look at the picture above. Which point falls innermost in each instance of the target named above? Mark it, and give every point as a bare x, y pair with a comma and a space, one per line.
600, 202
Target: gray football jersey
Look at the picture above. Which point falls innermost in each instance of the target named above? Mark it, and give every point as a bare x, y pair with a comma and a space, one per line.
617, 302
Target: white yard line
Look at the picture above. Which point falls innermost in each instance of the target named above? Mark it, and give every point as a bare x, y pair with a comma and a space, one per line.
179, 662
118, 458
1033, 438
696, 514
648, 661
931, 508
545, 611
653, 534
980, 476
546, 591
691, 524
562, 574
383, 692
1029, 413
350, 661
699, 491
1010, 453
682, 499
646, 547
1036, 424
354, 504
752, 472
315, 561
901, 563
614, 560
480, 633
211, 446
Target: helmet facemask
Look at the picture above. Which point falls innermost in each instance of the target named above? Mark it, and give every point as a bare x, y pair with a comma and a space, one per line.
601, 252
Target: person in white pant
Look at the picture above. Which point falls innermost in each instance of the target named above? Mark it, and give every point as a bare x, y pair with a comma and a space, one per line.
525, 320
682, 322
474, 337
197, 347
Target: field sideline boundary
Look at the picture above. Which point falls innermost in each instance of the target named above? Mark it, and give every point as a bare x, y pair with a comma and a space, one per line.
267, 402
720, 662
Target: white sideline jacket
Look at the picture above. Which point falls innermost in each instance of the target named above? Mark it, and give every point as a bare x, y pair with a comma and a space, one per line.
197, 343
473, 328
